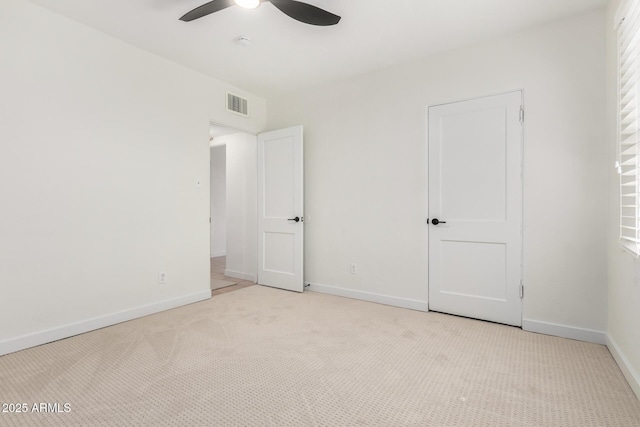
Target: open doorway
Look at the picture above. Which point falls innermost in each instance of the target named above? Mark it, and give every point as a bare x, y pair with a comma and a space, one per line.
233, 186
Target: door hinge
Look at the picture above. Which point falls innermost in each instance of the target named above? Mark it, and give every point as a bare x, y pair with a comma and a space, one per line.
521, 290
521, 114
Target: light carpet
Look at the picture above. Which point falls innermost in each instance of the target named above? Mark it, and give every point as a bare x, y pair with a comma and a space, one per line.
265, 357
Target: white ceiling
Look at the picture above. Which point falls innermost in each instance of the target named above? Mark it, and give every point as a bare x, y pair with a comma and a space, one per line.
287, 55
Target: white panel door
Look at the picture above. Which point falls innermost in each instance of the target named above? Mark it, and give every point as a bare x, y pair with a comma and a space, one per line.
475, 208
280, 209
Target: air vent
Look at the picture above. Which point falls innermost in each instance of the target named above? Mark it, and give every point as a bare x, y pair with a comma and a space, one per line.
237, 105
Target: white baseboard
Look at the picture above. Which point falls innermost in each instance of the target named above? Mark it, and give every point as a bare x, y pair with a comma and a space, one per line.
371, 297
631, 375
241, 275
564, 331
66, 331
218, 254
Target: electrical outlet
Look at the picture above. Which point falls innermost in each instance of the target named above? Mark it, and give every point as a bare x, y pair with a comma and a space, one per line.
354, 269
162, 278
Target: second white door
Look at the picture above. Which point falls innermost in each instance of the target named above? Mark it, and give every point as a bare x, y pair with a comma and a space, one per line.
475, 208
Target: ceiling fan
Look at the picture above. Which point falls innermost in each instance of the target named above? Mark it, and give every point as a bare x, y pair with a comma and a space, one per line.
299, 11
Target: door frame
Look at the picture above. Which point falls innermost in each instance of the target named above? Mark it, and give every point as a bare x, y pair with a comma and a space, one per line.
235, 129
254, 277
522, 189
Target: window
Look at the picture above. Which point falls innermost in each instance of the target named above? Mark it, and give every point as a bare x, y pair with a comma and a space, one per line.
628, 163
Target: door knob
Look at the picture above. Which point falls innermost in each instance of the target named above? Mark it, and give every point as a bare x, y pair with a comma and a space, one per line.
296, 219
436, 221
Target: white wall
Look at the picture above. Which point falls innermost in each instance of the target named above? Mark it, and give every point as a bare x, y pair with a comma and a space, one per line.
624, 270
365, 171
242, 205
218, 201
101, 147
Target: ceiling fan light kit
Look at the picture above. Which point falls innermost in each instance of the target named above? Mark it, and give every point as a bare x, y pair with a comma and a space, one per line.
248, 4
297, 10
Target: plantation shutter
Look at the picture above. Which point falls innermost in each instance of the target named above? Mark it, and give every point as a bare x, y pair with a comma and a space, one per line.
629, 155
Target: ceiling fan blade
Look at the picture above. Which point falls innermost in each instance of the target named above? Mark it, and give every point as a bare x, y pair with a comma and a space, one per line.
306, 13
206, 9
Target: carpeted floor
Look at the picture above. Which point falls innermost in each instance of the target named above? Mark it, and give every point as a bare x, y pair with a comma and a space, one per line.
265, 357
